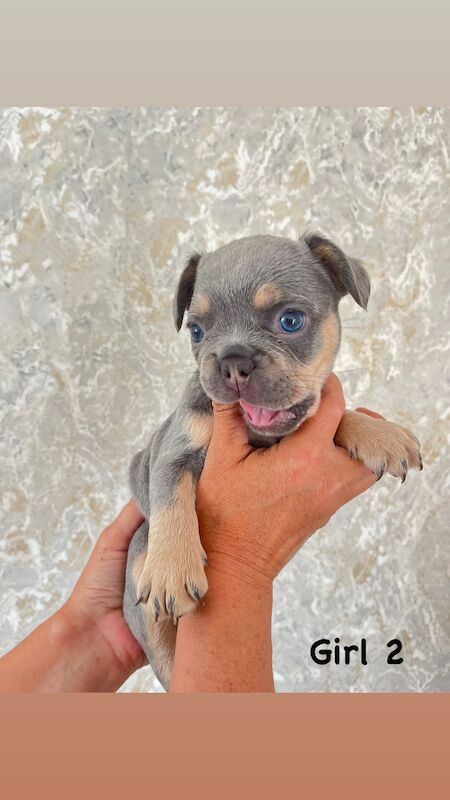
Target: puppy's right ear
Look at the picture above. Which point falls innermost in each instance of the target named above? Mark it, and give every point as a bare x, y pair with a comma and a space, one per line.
185, 290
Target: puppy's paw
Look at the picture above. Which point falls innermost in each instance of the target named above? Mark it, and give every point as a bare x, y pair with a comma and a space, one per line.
172, 579
382, 446
171, 583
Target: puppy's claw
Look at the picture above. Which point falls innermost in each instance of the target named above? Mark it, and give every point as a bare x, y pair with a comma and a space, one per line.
194, 591
204, 559
404, 464
143, 597
380, 474
170, 605
156, 609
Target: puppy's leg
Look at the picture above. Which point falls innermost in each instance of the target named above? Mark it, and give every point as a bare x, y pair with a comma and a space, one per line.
172, 577
163, 479
165, 567
382, 446
157, 639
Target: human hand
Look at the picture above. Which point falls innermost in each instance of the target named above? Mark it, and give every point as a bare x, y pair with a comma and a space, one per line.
96, 601
256, 507
86, 645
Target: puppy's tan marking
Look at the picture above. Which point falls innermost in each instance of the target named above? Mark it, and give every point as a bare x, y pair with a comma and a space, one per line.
173, 578
310, 377
267, 295
199, 429
303, 380
161, 637
201, 305
325, 251
138, 566
381, 445
322, 362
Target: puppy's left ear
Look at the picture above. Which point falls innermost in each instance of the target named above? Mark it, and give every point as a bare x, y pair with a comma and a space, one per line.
347, 274
185, 289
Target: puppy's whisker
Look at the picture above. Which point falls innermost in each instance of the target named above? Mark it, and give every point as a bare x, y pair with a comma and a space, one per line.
344, 371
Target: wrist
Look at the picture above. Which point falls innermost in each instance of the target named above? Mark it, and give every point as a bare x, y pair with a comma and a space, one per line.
236, 570
233, 620
92, 665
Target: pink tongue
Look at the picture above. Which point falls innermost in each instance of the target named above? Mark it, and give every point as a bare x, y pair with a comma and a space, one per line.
258, 415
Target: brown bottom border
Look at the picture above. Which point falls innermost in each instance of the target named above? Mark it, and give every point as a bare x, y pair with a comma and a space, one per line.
303, 745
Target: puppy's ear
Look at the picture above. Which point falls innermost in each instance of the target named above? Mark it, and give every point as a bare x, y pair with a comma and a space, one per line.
185, 289
347, 274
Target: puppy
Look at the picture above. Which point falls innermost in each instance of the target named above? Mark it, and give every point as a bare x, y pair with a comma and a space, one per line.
264, 324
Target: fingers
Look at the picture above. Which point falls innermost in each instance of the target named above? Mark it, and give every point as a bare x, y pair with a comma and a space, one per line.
325, 421
369, 413
120, 531
230, 436
324, 424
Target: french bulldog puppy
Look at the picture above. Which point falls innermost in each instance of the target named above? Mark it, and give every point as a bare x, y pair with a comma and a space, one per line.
262, 313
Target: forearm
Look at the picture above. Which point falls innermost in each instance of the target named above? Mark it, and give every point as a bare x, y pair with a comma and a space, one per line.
225, 645
61, 655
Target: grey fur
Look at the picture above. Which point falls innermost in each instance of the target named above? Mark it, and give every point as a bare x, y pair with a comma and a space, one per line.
229, 279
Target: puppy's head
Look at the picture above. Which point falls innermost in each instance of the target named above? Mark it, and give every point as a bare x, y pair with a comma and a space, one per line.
262, 315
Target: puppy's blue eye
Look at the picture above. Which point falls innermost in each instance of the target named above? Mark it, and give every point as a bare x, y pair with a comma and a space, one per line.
196, 333
292, 321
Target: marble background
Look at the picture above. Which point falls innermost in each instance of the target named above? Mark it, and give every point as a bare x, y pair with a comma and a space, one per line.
98, 210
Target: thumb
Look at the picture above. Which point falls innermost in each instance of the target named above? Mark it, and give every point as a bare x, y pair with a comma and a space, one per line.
230, 435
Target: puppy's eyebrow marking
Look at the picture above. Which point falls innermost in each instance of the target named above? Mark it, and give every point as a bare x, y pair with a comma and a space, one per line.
200, 304
267, 295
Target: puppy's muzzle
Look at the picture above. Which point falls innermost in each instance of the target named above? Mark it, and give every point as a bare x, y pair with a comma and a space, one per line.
236, 365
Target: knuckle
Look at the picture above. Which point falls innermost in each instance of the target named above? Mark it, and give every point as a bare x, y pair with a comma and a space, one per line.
223, 410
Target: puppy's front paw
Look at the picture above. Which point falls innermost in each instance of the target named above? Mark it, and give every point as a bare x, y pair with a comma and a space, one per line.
172, 582
172, 579
382, 446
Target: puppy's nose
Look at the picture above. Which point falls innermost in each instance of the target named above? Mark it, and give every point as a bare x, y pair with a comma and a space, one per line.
236, 365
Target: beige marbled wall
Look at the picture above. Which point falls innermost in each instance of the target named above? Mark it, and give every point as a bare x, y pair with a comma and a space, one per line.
98, 209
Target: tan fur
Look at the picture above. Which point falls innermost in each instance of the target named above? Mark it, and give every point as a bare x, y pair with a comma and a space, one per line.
324, 251
174, 562
267, 295
199, 429
303, 380
382, 446
317, 370
309, 378
200, 305
161, 637
138, 566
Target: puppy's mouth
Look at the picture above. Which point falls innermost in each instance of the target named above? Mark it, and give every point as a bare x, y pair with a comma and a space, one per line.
267, 420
